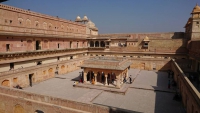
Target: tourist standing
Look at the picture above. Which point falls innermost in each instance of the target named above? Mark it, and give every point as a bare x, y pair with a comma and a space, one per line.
124, 81
108, 80
130, 79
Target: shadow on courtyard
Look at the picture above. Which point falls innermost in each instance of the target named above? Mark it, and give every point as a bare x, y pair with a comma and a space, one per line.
118, 110
77, 78
164, 97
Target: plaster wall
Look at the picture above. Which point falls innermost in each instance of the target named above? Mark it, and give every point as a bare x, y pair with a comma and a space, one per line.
24, 102
4, 67
49, 60
19, 44
19, 65
151, 64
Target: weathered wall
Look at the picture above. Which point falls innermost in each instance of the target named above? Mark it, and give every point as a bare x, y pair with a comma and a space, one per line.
24, 64
19, 21
12, 100
158, 42
190, 95
49, 60
150, 64
17, 44
194, 46
39, 72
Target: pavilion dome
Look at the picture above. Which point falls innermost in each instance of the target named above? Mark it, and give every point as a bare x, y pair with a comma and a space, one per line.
78, 19
196, 9
85, 18
146, 39
91, 25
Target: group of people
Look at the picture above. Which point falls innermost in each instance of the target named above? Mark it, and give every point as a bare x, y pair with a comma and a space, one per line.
18, 87
130, 79
110, 79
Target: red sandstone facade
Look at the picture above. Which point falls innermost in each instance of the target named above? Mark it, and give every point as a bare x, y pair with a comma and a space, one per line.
38, 46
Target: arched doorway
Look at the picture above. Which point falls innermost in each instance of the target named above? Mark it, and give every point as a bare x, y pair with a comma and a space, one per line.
6, 83
50, 72
63, 68
103, 77
97, 44
18, 109
15, 80
92, 75
31, 79
91, 44
102, 43
109, 78
88, 76
113, 77
98, 77
38, 45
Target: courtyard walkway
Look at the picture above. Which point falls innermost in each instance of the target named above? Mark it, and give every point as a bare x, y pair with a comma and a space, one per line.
148, 93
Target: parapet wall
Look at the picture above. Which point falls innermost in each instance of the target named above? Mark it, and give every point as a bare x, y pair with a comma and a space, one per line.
190, 95
31, 102
167, 35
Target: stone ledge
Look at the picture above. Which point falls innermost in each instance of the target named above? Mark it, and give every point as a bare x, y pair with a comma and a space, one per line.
122, 90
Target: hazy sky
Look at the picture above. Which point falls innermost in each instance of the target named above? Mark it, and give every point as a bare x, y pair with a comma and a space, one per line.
118, 16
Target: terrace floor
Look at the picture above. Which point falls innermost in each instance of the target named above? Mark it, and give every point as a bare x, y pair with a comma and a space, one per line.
148, 93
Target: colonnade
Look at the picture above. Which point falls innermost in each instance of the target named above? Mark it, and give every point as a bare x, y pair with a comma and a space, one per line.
97, 44
100, 76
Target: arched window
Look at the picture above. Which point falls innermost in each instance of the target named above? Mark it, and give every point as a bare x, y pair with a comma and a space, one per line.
6, 83
91, 44
97, 44
102, 43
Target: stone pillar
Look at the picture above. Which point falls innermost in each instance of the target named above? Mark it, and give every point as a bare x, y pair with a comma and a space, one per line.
95, 78
106, 81
118, 82
88, 44
94, 43
126, 72
85, 77
99, 44
122, 78
90, 76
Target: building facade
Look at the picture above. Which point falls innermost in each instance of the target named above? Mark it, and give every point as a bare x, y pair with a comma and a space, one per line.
34, 47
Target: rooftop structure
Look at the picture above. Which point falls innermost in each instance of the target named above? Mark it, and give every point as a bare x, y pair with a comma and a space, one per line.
111, 63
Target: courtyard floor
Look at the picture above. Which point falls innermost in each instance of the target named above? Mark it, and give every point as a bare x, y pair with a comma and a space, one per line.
148, 93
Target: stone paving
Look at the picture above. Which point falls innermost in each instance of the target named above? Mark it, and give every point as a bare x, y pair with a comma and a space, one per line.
141, 95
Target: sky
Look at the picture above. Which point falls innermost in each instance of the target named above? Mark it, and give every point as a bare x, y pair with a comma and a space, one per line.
118, 16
